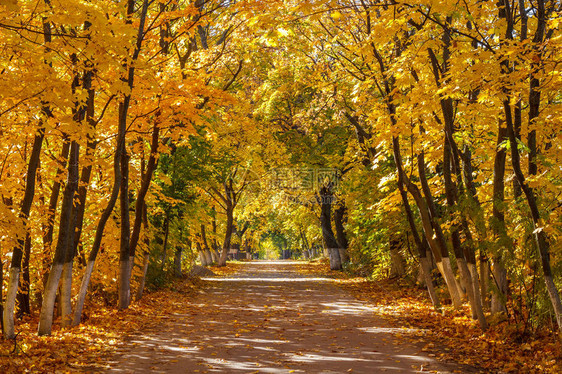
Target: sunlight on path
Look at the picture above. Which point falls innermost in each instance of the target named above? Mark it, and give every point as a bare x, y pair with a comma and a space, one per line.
268, 318
258, 279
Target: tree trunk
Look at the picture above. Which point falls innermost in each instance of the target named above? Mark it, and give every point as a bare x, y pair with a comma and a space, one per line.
210, 258
425, 267
540, 235
146, 253
450, 162
165, 244
421, 245
2, 293
48, 228
64, 244
124, 259
398, 267
177, 261
17, 253
100, 229
101, 226
141, 195
440, 245
66, 281
330, 241
66, 293
215, 245
87, 169
465, 254
202, 257
484, 281
145, 259
503, 242
214, 255
124, 287
23, 294
227, 234
341, 238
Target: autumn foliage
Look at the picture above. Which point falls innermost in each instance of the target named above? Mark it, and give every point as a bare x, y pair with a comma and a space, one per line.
415, 140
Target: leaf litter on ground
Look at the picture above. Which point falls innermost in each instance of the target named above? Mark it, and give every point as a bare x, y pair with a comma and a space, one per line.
448, 336
452, 335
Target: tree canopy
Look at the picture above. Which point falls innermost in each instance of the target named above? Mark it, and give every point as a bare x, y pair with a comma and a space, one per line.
415, 139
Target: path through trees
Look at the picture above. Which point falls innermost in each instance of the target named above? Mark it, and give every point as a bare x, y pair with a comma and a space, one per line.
270, 319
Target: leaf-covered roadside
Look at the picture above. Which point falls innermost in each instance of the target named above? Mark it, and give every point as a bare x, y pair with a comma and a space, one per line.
86, 347
453, 336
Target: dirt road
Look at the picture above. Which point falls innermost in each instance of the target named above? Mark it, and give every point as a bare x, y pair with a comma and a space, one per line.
271, 319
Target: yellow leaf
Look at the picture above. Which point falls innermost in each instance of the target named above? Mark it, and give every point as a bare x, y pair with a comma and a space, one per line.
336, 15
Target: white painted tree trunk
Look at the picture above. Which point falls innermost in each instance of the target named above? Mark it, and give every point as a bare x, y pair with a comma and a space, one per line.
131, 266
477, 297
461, 281
66, 295
466, 282
145, 260
447, 271
202, 259
500, 282
208, 257
425, 271
555, 300
473, 292
223, 257
484, 283
214, 256
398, 267
49, 295
124, 283
82, 293
10, 303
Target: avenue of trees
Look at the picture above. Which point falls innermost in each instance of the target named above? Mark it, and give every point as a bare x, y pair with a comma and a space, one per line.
416, 139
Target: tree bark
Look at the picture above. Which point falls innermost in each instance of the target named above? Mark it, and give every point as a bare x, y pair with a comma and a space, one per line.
541, 238
451, 160
64, 245
17, 252
202, 257
24, 289
2, 293
444, 264
422, 247
426, 218
124, 288
227, 234
146, 252
124, 259
466, 254
214, 243
49, 225
141, 195
206, 248
86, 170
462, 260
177, 261
165, 243
341, 238
539, 233
503, 242
330, 242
